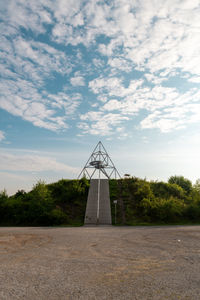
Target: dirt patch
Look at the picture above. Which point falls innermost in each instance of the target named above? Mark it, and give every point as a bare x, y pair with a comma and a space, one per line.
10, 243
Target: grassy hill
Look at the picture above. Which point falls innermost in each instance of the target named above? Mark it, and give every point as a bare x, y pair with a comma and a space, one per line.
138, 202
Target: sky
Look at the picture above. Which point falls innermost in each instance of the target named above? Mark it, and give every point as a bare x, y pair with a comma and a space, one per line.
73, 73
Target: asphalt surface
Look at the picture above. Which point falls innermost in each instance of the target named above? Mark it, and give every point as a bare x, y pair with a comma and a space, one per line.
100, 263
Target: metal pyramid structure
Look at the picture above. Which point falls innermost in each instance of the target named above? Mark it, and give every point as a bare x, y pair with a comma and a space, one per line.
99, 160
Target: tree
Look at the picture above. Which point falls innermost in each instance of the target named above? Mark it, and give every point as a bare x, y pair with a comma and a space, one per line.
166, 190
40, 204
183, 182
197, 185
20, 193
3, 195
3, 205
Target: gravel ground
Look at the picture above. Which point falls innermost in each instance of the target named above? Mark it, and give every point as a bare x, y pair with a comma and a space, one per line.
100, 263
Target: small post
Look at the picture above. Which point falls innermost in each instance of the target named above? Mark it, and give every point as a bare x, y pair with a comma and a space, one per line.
115, 203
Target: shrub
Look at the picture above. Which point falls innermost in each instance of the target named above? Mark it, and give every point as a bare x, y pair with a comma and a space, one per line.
183, 182
161, 209
165, 190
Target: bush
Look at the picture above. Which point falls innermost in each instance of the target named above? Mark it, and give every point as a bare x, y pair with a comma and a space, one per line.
192, 212
166, 190
58, 217
161, 209
186, 184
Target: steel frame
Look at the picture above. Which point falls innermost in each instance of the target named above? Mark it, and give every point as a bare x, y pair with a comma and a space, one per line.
99, 160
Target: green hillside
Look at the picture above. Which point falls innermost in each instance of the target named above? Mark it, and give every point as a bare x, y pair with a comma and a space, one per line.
138, 202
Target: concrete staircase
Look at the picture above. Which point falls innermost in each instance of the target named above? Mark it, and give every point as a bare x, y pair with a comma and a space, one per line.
104, 204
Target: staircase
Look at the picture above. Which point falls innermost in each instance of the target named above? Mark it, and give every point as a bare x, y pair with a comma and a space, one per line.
104, 204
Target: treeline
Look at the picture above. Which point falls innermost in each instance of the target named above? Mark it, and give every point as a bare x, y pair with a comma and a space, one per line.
138, 201
58, 203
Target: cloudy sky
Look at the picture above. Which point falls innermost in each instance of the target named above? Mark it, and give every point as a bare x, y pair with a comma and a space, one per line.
126, 72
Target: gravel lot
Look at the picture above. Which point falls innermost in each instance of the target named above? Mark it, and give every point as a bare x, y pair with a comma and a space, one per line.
100, 263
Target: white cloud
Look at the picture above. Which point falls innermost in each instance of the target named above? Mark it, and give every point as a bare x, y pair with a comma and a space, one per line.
22, 99
152, 35
77, 80
155, 36
161, 123
2, 135
40, 57
100, 123
157, 80
32, 163
65, 11
159, 38
194, 79
30, 15
98, 63
119, 63
113, 105
101, 84
26, 66
109, 49
64, 101
167, 109
171, 42
174, 114
113, 86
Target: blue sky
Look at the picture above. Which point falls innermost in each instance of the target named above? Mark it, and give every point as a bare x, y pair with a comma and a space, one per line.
75, 72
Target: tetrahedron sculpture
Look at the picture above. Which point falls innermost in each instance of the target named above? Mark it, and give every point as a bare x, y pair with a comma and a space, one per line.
98, 210
99, 160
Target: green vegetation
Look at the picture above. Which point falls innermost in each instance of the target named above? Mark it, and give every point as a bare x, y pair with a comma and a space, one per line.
143, 202
58, 203
138, 202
